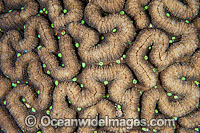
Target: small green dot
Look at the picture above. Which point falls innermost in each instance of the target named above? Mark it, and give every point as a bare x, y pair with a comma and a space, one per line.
154, 69
119, 106
63, 33
114, 30
169, 94
38, 36
155, 87
18, 55
100, 63
33, 110
79, 109
26, 82
183, 78
56, 83
58, 37
95, 131
131, 21
175, 97
4, 102
144, 129
10, 11
175, 118
167, 14
170, 41
83, 65
145, 57
39, 47
102, 37
122, 12
22, 8
23, 100
74, 79
105, 82
154, 130
173, 38
124, 56
70, 102
77, 45
196, 129
138, 109
150, 47
48, 112
41, 11
63, 65
150, 25
38, 131
187, 21
44, 66
14, 85
146, 7
50, 107
135, 34
24, 26
196, 82
107, 95
18, 82
48, 72
141, 92
134, 81
52, 26
59, 55
65, 11
81, 85
38, 92
44, 9
156, 111
38, 14
82, 22
118, 61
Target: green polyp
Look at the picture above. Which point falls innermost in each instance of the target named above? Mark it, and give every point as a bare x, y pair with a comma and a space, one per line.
131, 21
39, 47
41, 11
44, 66
77, 45
10, 11
74, 79
196, 82
175, 118
50, 107
83, 64
196, 129
155, 86
114, 30
150, 48
18, 55
38, 131
144, 129
146, 57
1, 30
46, 12
102, 37
173, 38
187, 21
105, 82
48, 112
63, 65
81, 85
167, 14
79, 109
22, 8
154, 69
150, 25
82, 22
183, 78
26, 82
23, 100
24, 26
170, 41
122, 12
134, 81
146, 7
95, 131
59, 55
138, 109
4, 102
56, 83
52, 26
63, 33
33, 110
18, 82
70, 102
38, 14
38, 36
175, 97
65, 11
118, 61
100, 63
44, 9
169, 94
129, 43
1, 129
119, 106
14, 85
135, 34
141, 92
48, 72
107, 95
156, 111
154, 130
38, 92
124, 56
58, 37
